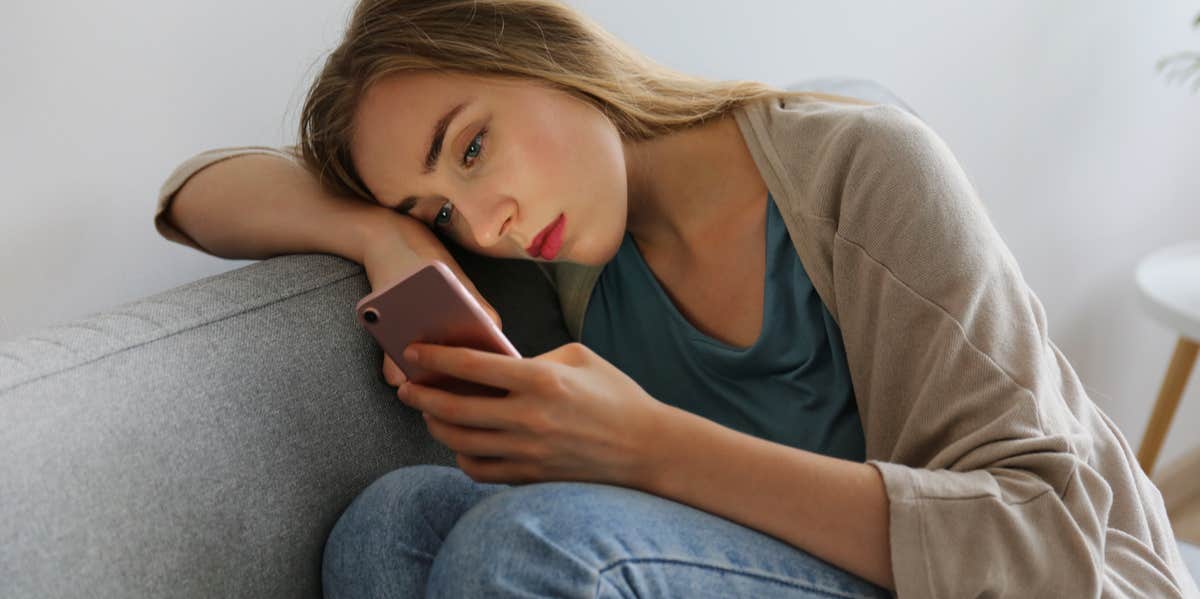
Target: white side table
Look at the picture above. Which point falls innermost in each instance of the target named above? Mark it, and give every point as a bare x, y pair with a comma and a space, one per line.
1168, 281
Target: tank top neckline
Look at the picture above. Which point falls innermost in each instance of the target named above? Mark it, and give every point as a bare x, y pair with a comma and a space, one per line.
691, 329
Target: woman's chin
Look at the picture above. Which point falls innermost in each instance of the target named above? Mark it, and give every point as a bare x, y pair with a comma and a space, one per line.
591, 254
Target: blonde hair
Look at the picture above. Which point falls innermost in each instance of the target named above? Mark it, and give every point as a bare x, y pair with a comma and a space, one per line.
542, 40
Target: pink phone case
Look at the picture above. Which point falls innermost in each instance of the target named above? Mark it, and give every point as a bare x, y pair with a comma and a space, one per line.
431, 305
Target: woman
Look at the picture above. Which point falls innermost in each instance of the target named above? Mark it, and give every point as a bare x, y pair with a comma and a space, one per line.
808, 364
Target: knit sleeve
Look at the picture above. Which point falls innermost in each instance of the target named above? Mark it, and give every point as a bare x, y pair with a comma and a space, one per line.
1003, 478
185, 171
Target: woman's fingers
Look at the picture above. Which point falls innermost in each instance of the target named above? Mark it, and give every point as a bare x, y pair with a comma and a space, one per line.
479, 443
476, 366
462, 410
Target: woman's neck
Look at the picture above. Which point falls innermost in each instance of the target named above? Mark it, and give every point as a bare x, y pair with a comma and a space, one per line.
689, 191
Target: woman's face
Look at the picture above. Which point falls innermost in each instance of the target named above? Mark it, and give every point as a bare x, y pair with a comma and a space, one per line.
494, 163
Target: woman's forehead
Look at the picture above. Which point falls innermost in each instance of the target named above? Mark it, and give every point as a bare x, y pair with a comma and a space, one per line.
394, 119
409, 105
419, 90
403, 124
405, 101
399, 117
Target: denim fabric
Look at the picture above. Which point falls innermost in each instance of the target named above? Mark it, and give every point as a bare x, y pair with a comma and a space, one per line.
432, 531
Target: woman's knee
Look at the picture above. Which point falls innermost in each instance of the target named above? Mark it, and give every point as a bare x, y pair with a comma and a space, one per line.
555, 509
541, 536
406, 512
566, 539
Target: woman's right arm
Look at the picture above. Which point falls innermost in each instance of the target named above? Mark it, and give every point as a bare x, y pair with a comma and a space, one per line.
257, 205
264, 204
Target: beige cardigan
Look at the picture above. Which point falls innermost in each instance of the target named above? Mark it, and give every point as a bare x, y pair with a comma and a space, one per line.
1004, 479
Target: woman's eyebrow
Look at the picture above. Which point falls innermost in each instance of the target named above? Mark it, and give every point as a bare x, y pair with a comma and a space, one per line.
435, 150
439, 135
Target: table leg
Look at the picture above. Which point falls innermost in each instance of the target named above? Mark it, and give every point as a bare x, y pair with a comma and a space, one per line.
1178, 372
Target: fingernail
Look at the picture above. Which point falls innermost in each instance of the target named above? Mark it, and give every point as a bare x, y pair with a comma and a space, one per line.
410, 354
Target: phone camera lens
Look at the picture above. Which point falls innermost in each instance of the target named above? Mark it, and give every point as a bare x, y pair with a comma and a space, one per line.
370, 315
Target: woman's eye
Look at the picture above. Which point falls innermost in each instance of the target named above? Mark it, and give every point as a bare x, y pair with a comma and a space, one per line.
474, 149
443, 216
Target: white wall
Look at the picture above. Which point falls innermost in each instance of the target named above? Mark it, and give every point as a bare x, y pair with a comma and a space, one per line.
1084, 154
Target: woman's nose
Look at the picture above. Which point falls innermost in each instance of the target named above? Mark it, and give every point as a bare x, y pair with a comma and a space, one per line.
489, 217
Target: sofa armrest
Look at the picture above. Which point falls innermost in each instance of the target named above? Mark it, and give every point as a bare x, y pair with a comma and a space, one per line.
202, 441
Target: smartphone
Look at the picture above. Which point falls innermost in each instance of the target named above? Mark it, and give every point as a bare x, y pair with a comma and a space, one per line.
431, 305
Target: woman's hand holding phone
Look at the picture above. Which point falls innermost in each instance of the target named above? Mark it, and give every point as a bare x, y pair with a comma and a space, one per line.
393, 250
568, 415
564, 415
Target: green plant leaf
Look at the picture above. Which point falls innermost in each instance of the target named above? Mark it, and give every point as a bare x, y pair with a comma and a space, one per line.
1186, 65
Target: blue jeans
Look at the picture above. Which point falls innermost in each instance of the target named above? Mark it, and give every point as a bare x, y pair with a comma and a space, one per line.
432, 531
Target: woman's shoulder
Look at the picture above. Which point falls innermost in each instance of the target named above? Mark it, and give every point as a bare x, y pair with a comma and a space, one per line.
820, 115
806, 132
832, 161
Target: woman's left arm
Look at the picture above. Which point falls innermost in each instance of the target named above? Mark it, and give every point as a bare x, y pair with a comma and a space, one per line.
834, 509
1002, 476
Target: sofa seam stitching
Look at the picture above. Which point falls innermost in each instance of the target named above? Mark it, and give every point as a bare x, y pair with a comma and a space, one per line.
167, 336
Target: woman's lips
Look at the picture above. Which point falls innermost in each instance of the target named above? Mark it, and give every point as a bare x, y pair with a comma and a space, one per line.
554, 239
549, 240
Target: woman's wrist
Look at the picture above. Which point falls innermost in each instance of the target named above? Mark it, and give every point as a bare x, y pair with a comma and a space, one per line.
392, 243
383, 229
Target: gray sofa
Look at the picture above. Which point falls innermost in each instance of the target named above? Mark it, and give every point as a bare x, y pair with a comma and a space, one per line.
201, 442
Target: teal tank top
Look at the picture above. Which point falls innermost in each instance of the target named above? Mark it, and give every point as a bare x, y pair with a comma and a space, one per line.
791, 387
